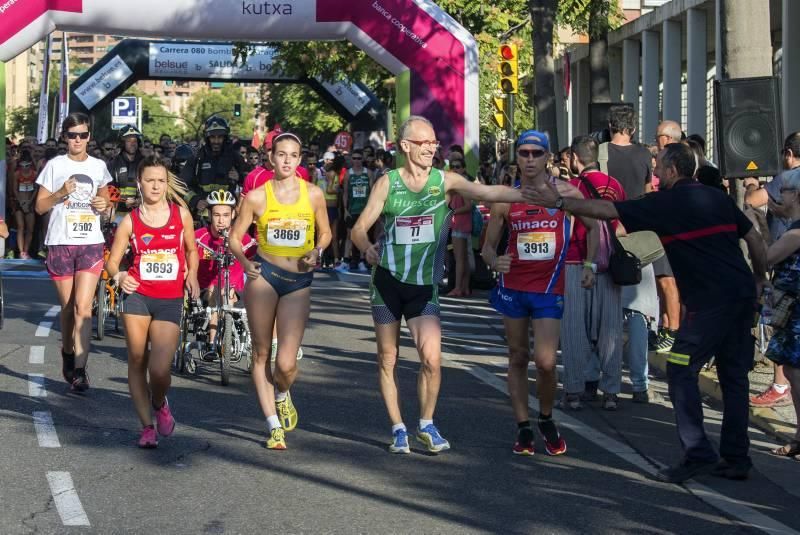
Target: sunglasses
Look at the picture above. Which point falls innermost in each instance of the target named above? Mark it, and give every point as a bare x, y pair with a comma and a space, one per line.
108, 149
24, 164
76, 135
531, 153
432, 143
457, 166
357, 158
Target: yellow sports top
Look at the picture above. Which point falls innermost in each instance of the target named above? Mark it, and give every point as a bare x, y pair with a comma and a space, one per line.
286, 229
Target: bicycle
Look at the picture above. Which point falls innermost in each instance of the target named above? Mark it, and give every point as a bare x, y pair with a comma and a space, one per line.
232, 341
107, 301
2, 302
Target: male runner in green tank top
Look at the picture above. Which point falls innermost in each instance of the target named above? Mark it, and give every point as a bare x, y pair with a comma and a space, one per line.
357, 185
408, 261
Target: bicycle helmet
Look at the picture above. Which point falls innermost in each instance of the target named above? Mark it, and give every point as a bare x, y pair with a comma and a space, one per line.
221, 196
113, 194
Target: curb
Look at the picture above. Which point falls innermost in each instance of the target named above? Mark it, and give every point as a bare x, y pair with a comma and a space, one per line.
764, 418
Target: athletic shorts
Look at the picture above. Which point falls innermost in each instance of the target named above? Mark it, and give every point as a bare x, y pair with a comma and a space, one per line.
518, 304
350, 221
661, 267
462, 235
333, 213
392, 299
64, 261
158, 309
282, 281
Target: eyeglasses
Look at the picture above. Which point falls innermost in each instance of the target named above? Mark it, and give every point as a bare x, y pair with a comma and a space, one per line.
357, 158
75, 135
431, 143
531, 153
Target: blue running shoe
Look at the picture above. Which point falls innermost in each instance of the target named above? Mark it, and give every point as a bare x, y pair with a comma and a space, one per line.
399, 442
430, 436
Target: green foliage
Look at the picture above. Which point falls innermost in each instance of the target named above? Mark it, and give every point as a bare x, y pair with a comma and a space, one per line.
208, 102
576, 15
161, 121
300, 109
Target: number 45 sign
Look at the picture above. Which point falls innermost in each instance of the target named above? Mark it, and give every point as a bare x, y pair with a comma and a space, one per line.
343, 141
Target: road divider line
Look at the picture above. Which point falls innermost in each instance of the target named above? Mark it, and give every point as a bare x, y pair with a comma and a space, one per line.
36, 355
735, 508
45, 429
66, 499
52, 311
43, 329
36, 385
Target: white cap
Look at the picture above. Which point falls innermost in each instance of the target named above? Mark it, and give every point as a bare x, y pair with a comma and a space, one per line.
328, 156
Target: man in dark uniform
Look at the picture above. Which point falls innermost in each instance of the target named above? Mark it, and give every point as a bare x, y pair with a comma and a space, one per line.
700, 228
124, 168
216, 166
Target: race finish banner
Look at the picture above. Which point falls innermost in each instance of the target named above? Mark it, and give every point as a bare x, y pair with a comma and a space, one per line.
208, 60
434, 59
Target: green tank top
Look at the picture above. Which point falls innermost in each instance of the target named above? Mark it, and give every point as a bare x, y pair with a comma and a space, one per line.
416, 226
357, 192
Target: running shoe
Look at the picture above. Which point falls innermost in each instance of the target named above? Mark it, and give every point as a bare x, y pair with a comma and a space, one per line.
524, 443
24, 256
68, 366
554, 443
287, 413
164, 420
664, 345
341, 267
42, 253
80, 381
572, 402
276, 439
400, 442
771, 397
148, 439
10, 254
641, 397
432, 440
590, 391
274, 354
362, 267
610, 402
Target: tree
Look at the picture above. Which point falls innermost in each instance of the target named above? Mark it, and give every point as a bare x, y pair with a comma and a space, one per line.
160, 120
543, 15
208, 102
299, 109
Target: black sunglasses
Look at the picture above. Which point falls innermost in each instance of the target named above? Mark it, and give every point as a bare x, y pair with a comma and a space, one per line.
75, 135
531, 153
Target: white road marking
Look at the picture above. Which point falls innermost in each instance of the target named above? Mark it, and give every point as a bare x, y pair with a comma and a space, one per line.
469, 324
43, 329
36, 355
469, 336
36, 385
735, 508
45, 429
66, 499
52, 312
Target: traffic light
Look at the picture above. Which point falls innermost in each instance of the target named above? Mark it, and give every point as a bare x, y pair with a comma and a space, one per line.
237, 110
499, 117
509, 69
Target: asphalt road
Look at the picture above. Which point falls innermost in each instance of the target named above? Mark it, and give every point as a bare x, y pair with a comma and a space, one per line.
84, 474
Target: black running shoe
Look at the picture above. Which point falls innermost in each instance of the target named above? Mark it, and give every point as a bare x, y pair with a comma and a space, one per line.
68, 366
685, 470
81, 381
554, 444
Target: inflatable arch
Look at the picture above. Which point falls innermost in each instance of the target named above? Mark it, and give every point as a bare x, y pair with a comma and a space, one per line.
132, 60
434, 58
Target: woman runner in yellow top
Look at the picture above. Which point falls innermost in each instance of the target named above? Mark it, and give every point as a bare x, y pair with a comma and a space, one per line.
293, 230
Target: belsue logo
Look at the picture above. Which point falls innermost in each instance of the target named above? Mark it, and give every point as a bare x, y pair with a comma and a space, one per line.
266, 8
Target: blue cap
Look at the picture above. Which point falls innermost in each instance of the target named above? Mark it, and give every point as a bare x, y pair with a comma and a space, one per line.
534, 137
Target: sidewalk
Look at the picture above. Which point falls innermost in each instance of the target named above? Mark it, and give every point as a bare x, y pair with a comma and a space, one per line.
780, 422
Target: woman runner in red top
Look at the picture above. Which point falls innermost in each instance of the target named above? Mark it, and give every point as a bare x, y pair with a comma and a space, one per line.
530, 289
160, 234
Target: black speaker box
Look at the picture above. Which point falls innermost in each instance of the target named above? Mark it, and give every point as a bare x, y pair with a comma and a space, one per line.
748, 127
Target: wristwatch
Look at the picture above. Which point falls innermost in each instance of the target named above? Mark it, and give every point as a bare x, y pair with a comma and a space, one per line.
592, 265
559, 203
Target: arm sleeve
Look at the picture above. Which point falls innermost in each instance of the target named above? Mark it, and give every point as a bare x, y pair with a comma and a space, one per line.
638, 214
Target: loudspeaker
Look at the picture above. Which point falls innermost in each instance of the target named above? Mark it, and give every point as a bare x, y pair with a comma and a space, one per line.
598, 115
748, 127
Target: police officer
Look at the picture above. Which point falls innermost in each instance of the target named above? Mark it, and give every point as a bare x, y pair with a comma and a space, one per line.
216, 166
124, 167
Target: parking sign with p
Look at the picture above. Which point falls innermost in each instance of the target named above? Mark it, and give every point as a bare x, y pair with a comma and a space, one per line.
124, 111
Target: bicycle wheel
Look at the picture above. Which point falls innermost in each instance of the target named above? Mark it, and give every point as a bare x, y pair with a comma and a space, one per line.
226, 348
102, 308
179, 361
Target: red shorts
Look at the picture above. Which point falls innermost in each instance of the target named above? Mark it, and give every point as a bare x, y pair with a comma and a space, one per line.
64, 261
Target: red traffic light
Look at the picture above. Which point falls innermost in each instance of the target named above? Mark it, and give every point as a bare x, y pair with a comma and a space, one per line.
507, 52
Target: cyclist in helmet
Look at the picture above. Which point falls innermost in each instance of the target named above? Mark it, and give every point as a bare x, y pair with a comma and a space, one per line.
222, 208
124, 168
216, 166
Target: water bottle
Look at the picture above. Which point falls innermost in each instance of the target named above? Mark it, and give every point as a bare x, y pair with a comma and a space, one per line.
766, 305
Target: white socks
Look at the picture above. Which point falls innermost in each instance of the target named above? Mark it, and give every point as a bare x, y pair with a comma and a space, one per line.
273, 422
424, 423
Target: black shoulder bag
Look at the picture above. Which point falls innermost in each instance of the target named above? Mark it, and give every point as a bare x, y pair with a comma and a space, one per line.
624, 267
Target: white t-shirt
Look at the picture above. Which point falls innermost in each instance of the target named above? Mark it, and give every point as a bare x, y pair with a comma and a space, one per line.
74, 221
